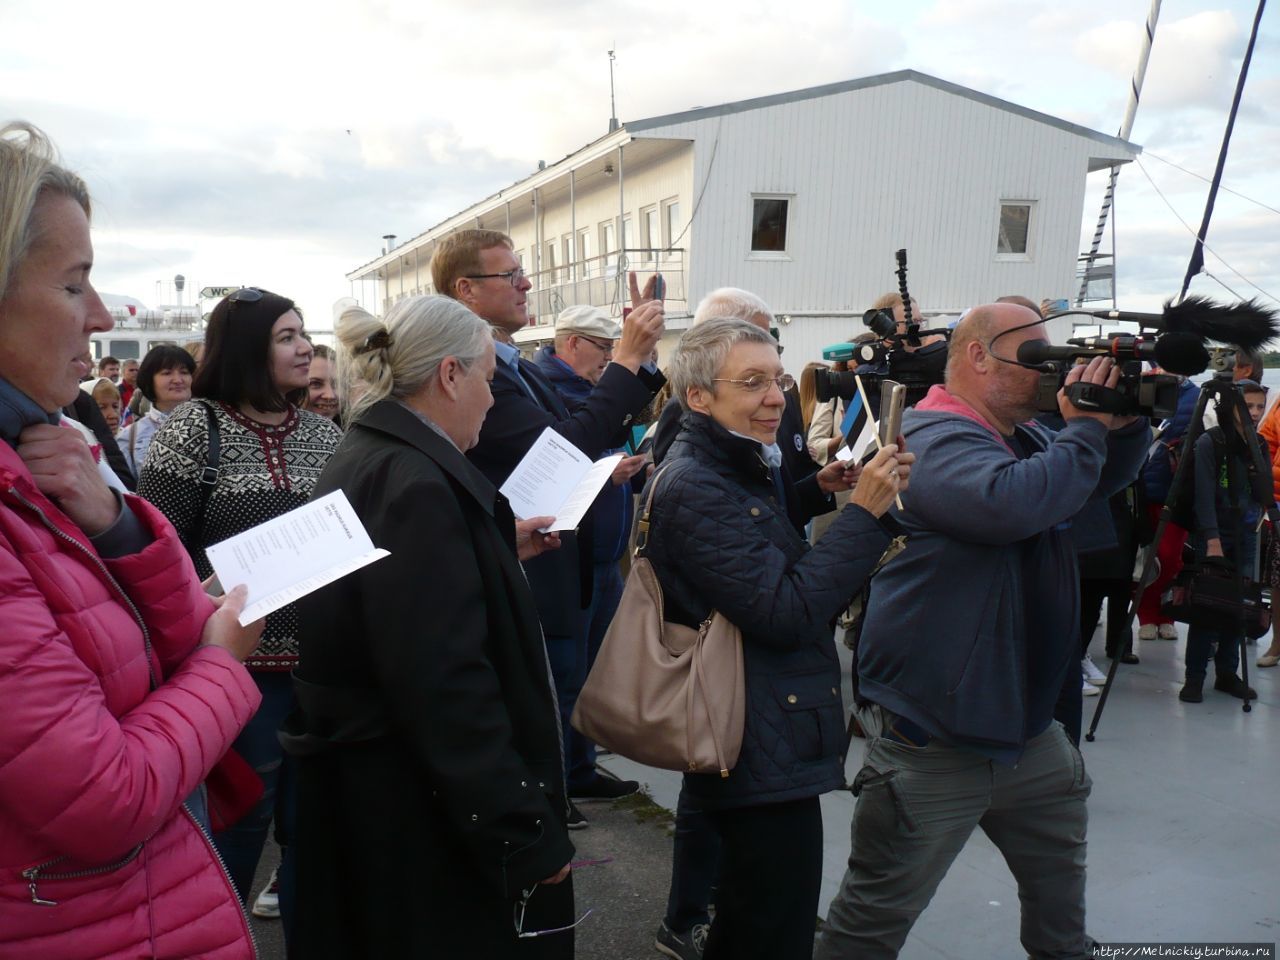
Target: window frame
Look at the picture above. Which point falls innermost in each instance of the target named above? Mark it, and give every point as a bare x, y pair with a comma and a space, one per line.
1028, 254
785, 253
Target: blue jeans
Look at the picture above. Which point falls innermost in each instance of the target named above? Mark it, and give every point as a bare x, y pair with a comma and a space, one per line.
241, 845
1201, 641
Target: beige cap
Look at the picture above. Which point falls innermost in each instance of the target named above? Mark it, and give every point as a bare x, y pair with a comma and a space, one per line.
590, 321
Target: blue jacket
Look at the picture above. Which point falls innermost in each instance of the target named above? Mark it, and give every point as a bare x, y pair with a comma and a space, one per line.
1157, 476
970, 631
613, 508
719, 540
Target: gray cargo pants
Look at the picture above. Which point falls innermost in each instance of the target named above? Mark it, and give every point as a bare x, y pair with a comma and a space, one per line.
916, 808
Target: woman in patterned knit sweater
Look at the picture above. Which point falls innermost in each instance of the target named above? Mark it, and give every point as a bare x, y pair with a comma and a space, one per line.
253, 374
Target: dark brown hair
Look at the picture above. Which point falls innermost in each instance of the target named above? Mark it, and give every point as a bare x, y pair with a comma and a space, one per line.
236, 366
159, 358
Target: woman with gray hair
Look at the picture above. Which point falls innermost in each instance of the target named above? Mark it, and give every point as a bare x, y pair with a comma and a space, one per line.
720, 540
427, 741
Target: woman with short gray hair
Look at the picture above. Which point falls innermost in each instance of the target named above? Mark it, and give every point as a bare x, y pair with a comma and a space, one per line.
720, 540
426, 737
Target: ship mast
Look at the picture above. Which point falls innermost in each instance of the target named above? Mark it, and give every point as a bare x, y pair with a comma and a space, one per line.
1135, 94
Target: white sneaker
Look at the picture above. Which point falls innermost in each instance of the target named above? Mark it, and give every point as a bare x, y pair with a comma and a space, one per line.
1091, 672
267, 906
1089, 690
1147, 631
1168, 632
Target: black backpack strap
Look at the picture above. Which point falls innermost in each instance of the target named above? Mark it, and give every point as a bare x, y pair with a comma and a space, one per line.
209, 475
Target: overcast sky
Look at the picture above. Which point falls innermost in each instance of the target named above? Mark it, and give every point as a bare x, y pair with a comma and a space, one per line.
273, 143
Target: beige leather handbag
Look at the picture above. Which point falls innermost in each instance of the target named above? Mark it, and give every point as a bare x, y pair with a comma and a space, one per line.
661, 693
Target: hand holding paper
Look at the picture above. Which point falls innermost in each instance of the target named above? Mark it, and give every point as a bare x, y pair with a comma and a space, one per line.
294, 554
556, 479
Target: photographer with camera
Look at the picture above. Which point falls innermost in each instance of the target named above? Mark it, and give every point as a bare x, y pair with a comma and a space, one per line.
970, 635
1225, 521
903, 353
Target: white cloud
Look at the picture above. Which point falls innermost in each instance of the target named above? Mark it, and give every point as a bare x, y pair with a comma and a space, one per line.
215, 137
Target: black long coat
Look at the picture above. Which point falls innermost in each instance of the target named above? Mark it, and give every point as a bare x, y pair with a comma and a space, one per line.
430, 792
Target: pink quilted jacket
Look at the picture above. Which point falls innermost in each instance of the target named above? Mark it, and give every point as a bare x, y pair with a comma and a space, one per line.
98, 858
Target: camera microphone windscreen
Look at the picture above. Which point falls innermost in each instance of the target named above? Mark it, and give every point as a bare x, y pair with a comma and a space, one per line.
1182, 353
1246, 324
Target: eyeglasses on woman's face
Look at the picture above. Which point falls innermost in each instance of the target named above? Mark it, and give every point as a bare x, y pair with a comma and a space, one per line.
759, 383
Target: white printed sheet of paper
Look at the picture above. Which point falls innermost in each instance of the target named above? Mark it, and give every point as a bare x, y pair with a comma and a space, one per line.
556, 479
294, 554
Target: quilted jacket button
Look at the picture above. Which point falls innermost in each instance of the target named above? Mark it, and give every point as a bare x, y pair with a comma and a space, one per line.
835, 692
791, 698
755, 511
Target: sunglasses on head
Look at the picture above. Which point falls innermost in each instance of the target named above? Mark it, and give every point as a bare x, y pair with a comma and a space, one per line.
245, 295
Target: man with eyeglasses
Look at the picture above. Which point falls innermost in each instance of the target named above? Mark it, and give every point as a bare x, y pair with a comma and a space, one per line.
479, 268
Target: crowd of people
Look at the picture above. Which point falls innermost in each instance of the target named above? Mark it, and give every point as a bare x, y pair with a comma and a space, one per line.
405, 733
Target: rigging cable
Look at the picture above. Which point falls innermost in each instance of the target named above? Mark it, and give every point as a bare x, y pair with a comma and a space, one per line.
1196, 263
1191, 230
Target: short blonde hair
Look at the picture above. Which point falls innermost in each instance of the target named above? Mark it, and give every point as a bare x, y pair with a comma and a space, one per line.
28, 167
458, 256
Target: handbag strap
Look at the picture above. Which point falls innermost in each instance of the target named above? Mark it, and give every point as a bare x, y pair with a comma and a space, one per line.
209, 475
701, 676
642, 519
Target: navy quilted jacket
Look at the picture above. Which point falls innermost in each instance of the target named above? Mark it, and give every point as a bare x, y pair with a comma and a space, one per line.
718, 539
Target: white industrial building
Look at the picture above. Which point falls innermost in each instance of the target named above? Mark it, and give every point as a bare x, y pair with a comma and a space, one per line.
801, 197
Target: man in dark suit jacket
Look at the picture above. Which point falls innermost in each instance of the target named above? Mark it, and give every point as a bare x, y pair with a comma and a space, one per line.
479, 269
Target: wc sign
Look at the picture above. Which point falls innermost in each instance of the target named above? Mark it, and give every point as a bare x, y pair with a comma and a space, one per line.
216, 293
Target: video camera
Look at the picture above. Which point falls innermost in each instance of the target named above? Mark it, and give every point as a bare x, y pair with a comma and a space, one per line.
1178, 346
891, 356
916, 369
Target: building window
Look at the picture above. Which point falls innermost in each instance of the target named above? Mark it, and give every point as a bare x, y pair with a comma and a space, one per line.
769, 224
1013, 240
608, 245
671, 216
584, 252
549, 266
650, 234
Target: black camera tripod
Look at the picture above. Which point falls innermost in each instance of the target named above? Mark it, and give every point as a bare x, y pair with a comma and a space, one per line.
1237, 426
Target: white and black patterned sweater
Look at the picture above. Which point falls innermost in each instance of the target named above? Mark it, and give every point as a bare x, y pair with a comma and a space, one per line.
263, 472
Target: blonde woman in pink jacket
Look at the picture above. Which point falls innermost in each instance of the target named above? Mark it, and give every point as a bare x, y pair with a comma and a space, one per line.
121, 682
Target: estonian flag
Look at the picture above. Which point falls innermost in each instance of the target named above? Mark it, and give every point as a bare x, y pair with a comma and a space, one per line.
858, 428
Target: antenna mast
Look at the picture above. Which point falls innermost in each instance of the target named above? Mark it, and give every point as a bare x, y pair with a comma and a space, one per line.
613, 107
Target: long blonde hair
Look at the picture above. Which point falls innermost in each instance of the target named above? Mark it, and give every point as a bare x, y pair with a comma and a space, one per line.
808, 391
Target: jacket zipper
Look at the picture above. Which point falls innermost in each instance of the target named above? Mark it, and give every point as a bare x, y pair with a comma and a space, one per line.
34, 874
101, 567
244, 909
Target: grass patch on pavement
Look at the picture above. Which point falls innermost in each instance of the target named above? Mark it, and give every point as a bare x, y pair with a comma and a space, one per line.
646, 810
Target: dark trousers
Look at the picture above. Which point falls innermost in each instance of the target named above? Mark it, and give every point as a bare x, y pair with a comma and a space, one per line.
567, 654
695, 866
767, 904
1116, 592
1220, 643
241, 846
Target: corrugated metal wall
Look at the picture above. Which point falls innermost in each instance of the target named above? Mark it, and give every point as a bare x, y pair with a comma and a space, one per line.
874, 170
